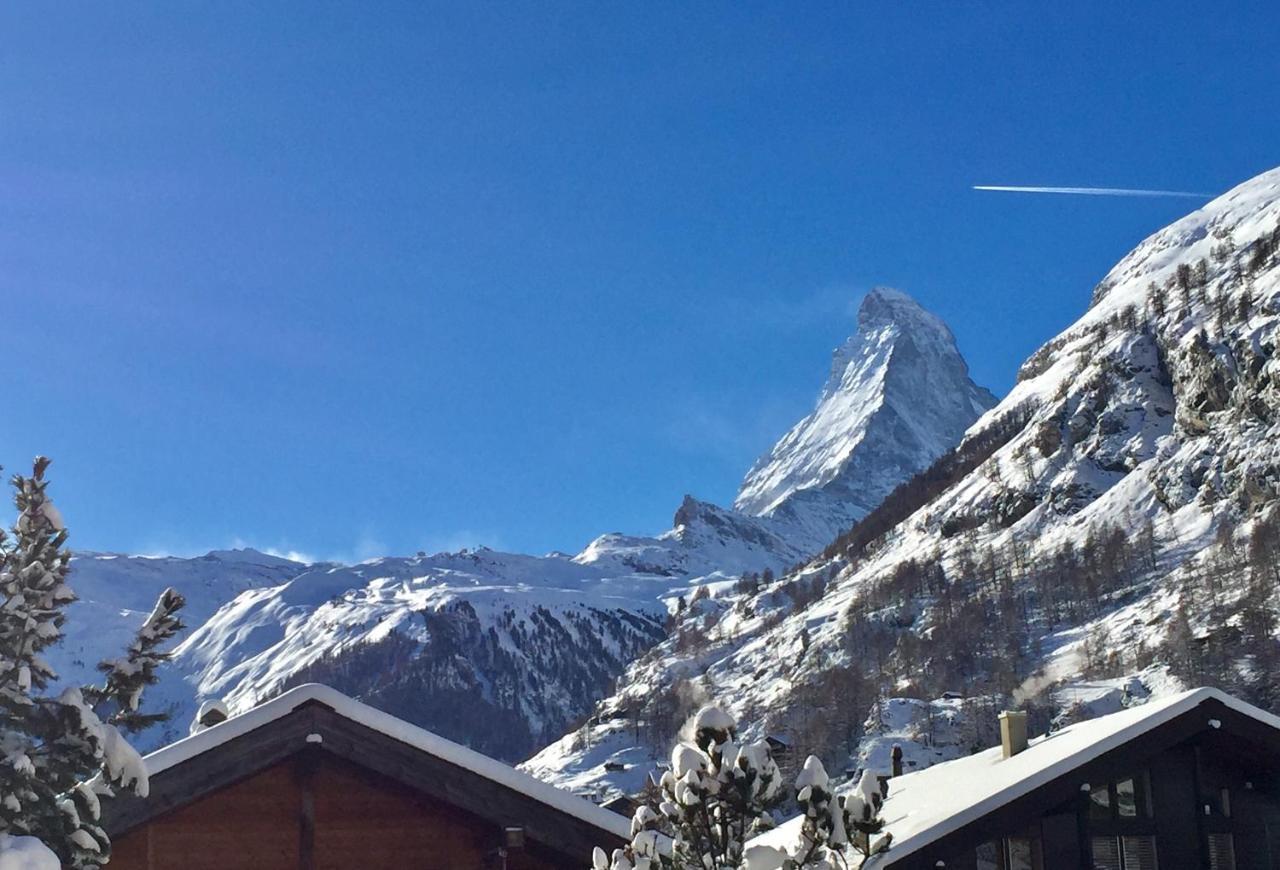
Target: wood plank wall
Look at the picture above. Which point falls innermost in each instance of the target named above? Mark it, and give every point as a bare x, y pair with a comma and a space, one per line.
322, 813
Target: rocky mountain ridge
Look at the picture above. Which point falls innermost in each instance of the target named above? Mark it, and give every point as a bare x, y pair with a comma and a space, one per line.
505, 651
898, 396
1114, 518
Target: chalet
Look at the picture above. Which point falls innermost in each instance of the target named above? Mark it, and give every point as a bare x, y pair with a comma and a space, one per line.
1189, 781
623, 805
778, 746
313, 780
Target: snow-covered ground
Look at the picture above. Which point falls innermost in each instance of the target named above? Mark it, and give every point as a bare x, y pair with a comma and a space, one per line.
26, 853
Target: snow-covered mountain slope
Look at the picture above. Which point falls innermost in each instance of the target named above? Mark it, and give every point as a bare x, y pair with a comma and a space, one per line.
499, 648
116, 593
509, 688
704, 540
899, 396
1117, 515
506, 651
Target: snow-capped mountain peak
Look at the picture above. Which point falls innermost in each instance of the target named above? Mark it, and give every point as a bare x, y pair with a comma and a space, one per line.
1109, 530
505, 650
898, 396
884, 313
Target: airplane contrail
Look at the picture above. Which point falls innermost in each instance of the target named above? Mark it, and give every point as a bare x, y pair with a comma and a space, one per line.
1093, 191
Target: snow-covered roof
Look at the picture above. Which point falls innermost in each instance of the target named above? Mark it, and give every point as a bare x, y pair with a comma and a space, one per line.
924, 806
397, 729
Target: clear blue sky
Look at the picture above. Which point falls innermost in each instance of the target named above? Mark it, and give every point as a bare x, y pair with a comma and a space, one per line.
366, 277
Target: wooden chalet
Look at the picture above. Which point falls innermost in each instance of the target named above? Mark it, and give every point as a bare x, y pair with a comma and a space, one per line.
313, 780
1190, 782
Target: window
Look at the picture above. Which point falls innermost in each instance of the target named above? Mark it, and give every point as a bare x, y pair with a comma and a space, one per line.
1106, 854
1121, 800
988, 856
1023, 852
1126, 799
1139, 852
1011, 853
1222, 852
1124, 853
1100, 802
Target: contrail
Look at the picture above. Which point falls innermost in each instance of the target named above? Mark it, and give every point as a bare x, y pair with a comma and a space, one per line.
1094, 191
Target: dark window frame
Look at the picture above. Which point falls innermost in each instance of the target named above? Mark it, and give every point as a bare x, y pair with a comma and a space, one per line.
1003, 853
1035, 843
1117, 825
1230, 853
1118, 840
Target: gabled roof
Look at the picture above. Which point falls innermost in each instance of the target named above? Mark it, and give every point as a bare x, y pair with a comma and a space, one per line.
317, 718
927, 805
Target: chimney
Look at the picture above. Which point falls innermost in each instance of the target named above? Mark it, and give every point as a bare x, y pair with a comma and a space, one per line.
1013, 732
210, 713
896, 755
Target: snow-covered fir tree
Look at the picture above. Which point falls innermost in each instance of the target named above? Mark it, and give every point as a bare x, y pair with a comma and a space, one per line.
836, 827
60, 754
718, 794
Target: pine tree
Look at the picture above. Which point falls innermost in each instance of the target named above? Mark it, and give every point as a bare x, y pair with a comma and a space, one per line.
63, 752
1258, 627
1184, 276
713, 797
1182, 650
1264, 548
835, 826
1200, 275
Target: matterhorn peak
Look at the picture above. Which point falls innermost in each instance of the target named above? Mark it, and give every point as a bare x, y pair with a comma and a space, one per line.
899, 395
885, 316
885, 306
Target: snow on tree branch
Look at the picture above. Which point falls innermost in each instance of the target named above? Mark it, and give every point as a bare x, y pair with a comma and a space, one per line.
127, 677
717, 794
60, 754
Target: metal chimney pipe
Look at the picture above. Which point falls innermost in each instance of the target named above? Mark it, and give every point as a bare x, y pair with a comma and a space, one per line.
896, 756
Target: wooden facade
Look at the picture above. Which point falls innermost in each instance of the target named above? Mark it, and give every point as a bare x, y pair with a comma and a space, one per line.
1198, 792
314, 790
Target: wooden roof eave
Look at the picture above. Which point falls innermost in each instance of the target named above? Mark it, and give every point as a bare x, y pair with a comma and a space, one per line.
316, 728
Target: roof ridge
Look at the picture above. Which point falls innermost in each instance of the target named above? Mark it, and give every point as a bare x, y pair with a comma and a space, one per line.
396, 728
922, 819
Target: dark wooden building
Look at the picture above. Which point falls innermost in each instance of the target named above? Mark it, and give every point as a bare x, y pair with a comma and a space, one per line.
1190, 782
313, 780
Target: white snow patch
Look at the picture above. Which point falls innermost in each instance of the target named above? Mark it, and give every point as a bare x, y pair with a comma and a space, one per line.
26, 853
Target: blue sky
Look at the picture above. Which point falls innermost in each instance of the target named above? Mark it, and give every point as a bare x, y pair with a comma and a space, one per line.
352, 279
